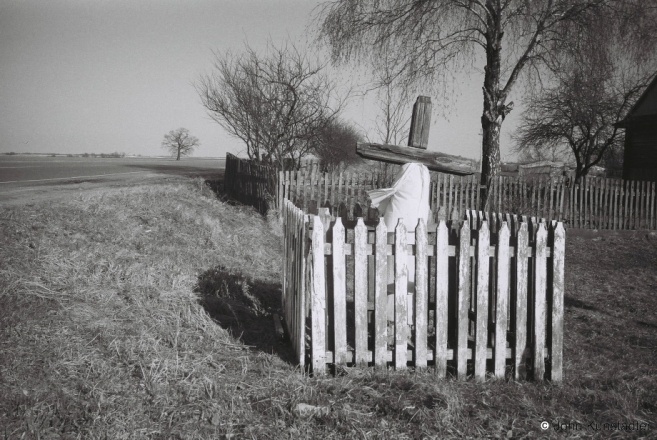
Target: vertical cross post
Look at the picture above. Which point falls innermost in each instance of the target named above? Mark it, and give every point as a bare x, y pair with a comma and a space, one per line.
418, 136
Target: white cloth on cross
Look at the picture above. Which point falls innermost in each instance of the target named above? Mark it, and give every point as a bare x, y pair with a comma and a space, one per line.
408, 198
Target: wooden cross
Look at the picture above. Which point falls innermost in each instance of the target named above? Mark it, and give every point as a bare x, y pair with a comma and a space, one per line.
418, 140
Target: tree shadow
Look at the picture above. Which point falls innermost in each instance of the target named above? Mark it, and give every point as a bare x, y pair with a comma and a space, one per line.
245, 307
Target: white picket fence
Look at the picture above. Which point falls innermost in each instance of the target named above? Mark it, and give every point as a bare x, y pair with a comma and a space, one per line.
489, 287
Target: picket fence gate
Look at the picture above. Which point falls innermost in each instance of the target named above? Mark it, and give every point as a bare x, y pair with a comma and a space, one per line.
489, 287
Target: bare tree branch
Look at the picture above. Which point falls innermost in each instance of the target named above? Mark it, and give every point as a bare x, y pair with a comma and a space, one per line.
276, 102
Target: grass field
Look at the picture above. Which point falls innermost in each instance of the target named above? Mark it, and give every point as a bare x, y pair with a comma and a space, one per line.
145, 312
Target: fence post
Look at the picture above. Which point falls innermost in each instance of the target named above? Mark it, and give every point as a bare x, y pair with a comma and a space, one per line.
481, 335
502, 299
442, 300
522, 251
556, 349
540, 273
381, 297
401, 294
463, 264
360, 293
318, 329
421, 296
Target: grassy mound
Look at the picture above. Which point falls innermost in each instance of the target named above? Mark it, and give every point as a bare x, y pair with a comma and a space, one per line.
145, 312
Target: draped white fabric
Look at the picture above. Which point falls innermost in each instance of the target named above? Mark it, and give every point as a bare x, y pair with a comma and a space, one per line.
408, 198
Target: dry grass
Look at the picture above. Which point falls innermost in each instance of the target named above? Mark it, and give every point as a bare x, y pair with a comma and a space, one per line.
146, 313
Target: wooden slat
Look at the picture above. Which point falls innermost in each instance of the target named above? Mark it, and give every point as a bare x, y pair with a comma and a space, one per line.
540, 274
562, 213
558, 259
602, 182
614, 204
653, 202
300, 327
360, 292
481, 335
619, 204
595, 188
339, 197
521, 301
579, 203
442, 290
421, 295
476, 193
463, 297
318, 329
620, 183
339, 293
313, 183
502, 300
401, 293
326, 187
646, 205
381, 297
449, 194
587, 202
637, 213
595, 211
607, 204
643, 205
628, 201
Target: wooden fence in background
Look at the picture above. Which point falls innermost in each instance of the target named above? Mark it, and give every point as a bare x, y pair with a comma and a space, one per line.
593, 203
251, 183
487, 296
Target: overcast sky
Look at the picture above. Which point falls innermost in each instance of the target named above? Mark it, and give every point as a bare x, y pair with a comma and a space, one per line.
101, 76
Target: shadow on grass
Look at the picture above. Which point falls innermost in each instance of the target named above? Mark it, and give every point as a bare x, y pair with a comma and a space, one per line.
245, 307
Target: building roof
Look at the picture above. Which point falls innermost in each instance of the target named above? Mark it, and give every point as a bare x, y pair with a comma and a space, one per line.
644, 106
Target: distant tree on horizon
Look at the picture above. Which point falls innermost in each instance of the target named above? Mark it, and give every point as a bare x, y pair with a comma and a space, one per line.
179, 142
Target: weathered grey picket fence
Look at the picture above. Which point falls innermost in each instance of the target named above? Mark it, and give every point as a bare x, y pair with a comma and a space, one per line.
486, 287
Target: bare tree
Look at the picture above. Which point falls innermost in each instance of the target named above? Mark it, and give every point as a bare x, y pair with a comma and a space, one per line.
431, 40
394, 116
275, 102
179, 142
335, 145
595, 88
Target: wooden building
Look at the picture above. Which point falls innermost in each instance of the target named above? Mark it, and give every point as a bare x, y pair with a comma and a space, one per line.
640, 124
